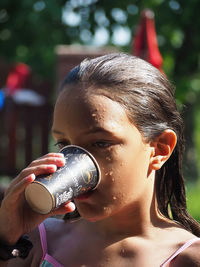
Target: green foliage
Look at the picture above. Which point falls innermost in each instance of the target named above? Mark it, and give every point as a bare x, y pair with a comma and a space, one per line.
30, 30
197, 136
193, 200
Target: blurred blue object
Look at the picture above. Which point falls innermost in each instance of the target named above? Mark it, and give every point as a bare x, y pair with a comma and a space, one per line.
2, 98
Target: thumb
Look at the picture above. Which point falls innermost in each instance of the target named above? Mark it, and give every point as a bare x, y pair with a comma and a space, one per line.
66, 208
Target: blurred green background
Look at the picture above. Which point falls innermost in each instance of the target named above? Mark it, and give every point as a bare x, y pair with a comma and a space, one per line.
30, 30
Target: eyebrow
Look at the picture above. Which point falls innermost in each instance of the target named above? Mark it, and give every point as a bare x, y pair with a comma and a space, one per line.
97, 130
56, 131
92, 131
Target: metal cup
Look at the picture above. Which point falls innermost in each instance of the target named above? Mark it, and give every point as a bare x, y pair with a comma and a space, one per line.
80, 174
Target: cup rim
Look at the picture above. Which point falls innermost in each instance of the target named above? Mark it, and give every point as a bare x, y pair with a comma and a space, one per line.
92, 158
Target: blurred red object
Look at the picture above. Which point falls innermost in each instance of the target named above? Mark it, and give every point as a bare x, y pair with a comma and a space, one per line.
145, 43
17, 78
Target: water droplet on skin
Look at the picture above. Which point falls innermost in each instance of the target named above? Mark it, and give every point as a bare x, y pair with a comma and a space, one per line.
108, 158
106, 173
122, 250
113, 179
105, 208
110, 173
114, 198
94, 115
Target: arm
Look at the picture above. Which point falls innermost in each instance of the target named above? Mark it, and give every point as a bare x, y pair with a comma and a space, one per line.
17, 262
16, 217
22, 250
34, 256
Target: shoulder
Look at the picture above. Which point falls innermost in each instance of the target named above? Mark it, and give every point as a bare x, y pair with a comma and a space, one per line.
190, 257
58, 230
53, 223
54, 226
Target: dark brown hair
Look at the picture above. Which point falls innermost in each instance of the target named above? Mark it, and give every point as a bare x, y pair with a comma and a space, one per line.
148, 97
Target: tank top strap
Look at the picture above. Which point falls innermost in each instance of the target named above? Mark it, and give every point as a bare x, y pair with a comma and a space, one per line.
43, 239
178, 251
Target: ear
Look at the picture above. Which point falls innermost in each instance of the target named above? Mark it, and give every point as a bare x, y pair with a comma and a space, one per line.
162, 148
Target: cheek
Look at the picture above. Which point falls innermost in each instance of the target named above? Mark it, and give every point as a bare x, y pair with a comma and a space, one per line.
124, 169
137, 159
110, 159
114, 169
107, 165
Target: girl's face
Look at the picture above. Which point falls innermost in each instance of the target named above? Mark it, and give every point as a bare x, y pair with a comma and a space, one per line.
100, 125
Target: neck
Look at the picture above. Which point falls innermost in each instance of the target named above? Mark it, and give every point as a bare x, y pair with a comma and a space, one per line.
136, 219
140, 218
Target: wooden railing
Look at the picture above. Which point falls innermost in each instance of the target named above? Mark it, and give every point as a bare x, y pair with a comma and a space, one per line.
24, 135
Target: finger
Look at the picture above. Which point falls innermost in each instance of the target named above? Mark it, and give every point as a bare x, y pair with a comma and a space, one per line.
20, 187
66, 208
41, 169
58, 161
38, 170
53, 154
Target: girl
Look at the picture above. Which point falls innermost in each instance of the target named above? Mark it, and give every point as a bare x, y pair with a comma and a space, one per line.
122, 110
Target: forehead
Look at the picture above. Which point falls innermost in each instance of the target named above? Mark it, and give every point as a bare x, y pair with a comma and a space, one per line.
88, 109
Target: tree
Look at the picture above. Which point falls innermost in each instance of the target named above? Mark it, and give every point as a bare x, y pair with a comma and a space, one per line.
30, 30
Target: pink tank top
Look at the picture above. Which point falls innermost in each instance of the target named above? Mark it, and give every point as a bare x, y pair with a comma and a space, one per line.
49, 261
178, 251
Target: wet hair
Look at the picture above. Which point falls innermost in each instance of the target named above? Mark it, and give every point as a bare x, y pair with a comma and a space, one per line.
148, 97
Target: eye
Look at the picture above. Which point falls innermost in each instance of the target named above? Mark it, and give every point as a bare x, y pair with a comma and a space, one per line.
61, 144
102, 144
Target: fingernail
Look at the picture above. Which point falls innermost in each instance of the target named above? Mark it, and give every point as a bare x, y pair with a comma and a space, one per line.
31, 177
70, 206
60, 161
60, 154
52, 167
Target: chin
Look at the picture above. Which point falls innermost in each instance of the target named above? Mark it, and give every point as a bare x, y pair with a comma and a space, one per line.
93, 213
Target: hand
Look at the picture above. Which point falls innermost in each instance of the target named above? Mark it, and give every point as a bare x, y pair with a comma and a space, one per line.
16, 217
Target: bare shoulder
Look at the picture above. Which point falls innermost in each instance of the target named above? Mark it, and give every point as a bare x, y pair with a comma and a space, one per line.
59, 231
190, 257
56, 226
